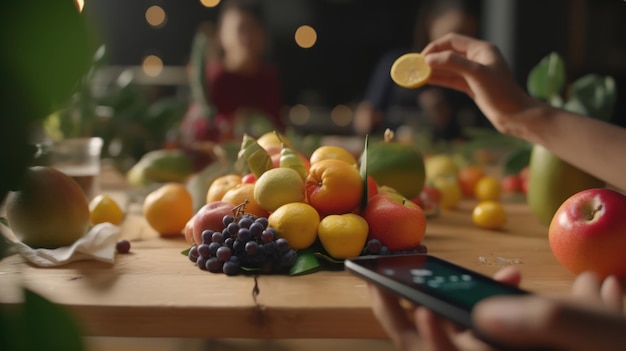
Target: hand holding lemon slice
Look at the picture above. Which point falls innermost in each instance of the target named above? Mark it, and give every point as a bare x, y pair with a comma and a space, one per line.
410, 71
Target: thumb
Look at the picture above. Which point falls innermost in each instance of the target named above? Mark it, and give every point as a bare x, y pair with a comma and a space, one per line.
536, 321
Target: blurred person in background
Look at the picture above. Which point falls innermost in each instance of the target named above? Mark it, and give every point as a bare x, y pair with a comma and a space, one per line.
445, 111
242, 89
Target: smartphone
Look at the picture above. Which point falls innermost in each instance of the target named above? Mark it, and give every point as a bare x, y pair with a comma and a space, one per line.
447, 289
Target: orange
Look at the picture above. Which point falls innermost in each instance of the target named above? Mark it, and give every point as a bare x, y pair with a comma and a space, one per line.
297, 222
103, 208
468, 178
410, 71
333, 187
489, 215
168, 208
488, 188
241, 193
332, 152
221, 185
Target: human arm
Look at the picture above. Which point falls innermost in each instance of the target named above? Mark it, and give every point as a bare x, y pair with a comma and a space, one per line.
590, 319
477, 68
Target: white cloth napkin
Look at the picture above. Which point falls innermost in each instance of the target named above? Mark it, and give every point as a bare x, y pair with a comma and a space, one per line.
98, 244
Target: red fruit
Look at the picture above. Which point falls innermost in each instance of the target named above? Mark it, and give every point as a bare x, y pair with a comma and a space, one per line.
588, 232
512, 184
372, 187
210, 216
524, 173
395, 221
249, 178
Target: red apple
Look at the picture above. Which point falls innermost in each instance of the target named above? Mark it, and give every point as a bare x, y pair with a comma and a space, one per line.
395, 221
372, 187
249, 178
524, 173
588, 232
512, 184
210, 216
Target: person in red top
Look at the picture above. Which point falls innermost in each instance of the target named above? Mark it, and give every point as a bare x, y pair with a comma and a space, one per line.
241, 89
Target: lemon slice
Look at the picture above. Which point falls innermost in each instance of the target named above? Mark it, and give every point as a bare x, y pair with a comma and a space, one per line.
410, 71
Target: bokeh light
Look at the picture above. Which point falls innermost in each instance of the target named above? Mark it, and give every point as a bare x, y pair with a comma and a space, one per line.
341, 115
80, 5
152, 65
155, 16
209, 3
299, 114
305, 36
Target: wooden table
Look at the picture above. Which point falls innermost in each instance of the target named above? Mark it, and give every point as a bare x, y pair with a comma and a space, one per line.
156, 292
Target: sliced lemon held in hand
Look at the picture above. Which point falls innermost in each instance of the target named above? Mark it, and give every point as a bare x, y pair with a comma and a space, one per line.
410, 71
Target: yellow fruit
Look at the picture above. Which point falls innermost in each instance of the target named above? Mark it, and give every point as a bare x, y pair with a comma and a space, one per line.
410, 71
273, 139
221, 185
440, 165
489, 215
168, 209
49, 211
450, 189
104, 209
488, 188
343, 236
331, 152
278, 186
297, 222
240, 194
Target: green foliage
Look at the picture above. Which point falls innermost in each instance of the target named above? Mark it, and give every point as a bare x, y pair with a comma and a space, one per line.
38, 324
591, 95
547, 79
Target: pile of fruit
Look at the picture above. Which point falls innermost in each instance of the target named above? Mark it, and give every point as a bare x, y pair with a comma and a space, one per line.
282, 207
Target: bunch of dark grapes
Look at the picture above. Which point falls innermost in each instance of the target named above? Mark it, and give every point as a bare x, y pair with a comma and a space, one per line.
245, 241
375, 247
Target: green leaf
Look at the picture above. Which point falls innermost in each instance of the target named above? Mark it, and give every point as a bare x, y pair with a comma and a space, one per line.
597, 94
46, 324
185, 252
251, 269
516, 160
547, 78
363, 172
305, 263
328, 258
4, 221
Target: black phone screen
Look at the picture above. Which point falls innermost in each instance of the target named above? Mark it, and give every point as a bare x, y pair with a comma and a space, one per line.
446, 281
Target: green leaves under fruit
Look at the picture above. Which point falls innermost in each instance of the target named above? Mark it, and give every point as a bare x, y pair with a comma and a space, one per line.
185, 252
305, 263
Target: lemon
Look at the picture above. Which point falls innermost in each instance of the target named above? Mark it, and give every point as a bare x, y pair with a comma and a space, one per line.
440, 165
297, 222
278, 186
488, 188
451, 193
489, 215
410, 71
104, 209
343, 236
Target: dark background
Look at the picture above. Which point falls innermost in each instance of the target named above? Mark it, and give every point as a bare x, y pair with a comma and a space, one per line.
352, 34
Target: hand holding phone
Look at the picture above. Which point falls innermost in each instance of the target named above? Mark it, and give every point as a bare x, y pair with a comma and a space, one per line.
444, 288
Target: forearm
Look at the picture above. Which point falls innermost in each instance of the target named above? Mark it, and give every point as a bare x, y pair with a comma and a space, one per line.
594, 146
